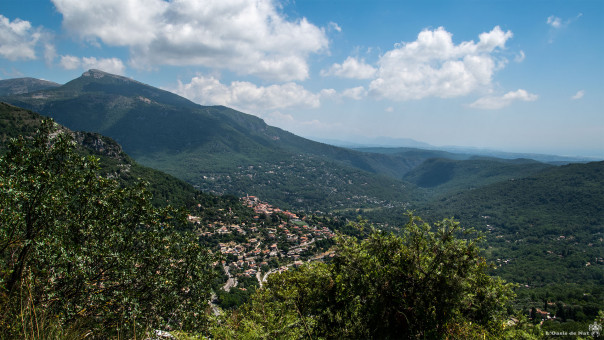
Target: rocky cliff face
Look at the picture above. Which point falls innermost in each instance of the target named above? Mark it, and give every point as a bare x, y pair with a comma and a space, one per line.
100, 144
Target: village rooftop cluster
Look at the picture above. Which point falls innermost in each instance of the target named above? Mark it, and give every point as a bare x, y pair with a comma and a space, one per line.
276, 240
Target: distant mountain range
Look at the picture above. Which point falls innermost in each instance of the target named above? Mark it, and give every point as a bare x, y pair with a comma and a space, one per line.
221, 150
24, 85
367, 142
393, 145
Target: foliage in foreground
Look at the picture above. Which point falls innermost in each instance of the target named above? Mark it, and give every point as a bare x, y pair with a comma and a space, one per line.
78, 250
428, 282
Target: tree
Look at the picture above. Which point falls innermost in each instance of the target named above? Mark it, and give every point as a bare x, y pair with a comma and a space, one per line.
87, 251
423, 283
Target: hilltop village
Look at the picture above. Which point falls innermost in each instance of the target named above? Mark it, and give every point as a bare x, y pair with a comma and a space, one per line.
274, 240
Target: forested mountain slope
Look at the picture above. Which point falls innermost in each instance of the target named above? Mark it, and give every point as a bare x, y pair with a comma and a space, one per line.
213, 147
442, 177
15, 121
221, 150
544, 231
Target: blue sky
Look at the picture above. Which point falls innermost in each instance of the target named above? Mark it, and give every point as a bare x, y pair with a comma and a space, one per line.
522, 76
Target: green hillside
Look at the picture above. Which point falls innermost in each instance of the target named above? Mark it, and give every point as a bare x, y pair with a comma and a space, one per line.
557, 212
446, 176
202, 143
221, 150
114, 162
15, 121
544, 231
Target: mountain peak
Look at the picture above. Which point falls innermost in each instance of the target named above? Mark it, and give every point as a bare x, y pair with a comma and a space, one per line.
98, 74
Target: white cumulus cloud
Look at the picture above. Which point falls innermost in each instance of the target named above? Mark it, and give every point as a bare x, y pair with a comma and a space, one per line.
578, 95
246, 96
433, 66
110, 65
351, 68
70, 62
356, 93
245, 36
498, 102
18, 39
328, 93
